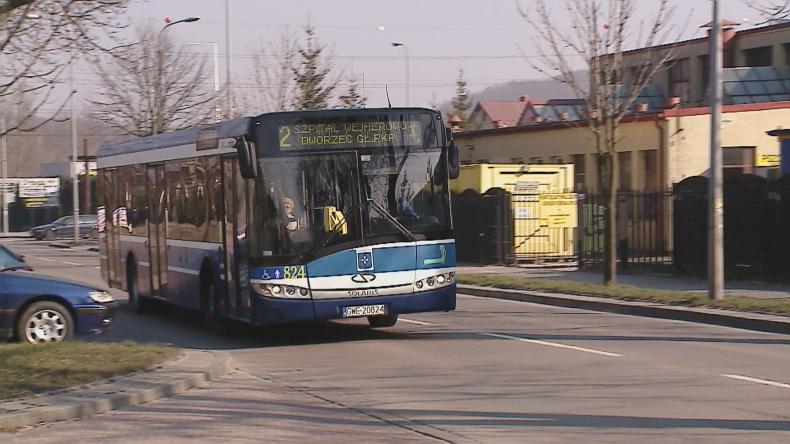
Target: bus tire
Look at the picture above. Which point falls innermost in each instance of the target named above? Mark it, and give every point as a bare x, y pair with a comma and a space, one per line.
213, 306
383, 321
138, 303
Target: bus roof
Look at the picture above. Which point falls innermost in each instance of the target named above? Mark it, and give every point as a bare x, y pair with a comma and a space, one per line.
227, 129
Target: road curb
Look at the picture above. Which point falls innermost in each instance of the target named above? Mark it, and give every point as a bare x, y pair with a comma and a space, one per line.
195, 369
726, 318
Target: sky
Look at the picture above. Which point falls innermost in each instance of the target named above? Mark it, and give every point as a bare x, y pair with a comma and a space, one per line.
488, 39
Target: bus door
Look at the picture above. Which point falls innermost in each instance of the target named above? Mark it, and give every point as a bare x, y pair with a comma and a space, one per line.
235, 240
157, 250
112, 232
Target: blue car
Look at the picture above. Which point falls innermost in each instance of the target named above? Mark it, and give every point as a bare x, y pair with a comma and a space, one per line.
36, 308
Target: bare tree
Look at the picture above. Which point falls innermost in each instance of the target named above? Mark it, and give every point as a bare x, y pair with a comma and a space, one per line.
599, 33
38, 39
273, 75
152, 86
771, 11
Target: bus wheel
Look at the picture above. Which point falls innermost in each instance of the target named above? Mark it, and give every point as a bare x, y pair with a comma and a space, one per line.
383, 321
138, 303
213, 308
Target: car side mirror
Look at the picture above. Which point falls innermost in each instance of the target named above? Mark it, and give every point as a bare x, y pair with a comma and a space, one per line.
248, 160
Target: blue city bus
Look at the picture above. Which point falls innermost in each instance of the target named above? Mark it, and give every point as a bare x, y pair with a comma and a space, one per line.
283, 217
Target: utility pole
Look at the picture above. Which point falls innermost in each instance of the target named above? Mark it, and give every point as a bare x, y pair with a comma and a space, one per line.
75, 180
86, 192
228, 92
3, 172
715, 190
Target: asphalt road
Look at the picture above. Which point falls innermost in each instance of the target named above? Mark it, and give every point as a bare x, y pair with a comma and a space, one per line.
493, 371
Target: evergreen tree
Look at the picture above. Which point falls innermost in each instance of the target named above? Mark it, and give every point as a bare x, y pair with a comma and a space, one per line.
461, 102
311, 74
352, 98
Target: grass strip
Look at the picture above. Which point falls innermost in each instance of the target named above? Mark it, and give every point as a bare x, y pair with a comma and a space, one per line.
28, 369
629, 293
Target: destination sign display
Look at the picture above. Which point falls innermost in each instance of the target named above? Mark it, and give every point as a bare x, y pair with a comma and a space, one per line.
370, 133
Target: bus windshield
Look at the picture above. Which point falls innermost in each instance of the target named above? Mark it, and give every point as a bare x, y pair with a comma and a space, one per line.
314, 204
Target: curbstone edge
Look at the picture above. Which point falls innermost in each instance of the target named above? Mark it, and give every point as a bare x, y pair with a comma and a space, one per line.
73, 408
726, 318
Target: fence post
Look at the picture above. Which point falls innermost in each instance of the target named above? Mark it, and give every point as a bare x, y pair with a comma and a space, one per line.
580, 229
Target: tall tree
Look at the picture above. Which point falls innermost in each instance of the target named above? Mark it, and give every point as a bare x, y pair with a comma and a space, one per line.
272, 76
152, 87
38, 40
312, 71
598, 33
352, 98
461, 103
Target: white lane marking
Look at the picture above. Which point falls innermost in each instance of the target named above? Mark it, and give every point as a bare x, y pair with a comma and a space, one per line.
45, 259
758, 381
97, 267
412, 321
553, 344
71, 263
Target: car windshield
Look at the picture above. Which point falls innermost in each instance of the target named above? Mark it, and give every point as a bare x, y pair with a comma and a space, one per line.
9, 260
311, 205
62, 220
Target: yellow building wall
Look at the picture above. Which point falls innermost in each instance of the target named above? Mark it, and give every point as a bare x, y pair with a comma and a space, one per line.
686, 140
555, 146
689, 139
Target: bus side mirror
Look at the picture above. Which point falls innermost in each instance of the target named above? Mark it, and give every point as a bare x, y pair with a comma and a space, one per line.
248, 160
453, 161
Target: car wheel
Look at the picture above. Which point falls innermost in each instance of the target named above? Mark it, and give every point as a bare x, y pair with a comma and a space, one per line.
93, 234
383, 321
49, 235
213, 308
45, 321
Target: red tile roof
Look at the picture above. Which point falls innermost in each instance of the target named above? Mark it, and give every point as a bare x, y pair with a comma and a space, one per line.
508, 113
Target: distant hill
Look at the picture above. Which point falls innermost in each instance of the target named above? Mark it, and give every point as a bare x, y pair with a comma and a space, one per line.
512, 90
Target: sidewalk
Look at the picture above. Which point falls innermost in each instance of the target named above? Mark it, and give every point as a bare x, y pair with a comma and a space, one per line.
193, 369
760, 290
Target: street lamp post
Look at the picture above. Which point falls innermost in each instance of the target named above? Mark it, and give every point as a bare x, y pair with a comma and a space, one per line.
158, 126
406, 50
217, 108
715, 190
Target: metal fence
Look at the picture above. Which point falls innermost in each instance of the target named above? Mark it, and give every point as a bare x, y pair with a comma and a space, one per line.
643, 231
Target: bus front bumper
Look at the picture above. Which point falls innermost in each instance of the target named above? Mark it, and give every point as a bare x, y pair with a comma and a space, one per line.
276, 311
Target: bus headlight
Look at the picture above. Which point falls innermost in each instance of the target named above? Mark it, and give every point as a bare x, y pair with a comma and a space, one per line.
281, 291
436, 281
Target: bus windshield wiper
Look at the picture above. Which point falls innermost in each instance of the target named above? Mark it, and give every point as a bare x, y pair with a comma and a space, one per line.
394, 222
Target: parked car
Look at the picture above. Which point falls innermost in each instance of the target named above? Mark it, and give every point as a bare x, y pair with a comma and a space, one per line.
36, 308
64, 228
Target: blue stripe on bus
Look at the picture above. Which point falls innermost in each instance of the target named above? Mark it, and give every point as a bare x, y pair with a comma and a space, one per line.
345, 262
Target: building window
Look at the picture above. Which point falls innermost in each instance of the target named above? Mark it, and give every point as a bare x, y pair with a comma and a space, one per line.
762, 56
650, 168
579, 171
624, 165
535, 160
557, 160
680, 79
704, 64
786, 47
737, 161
